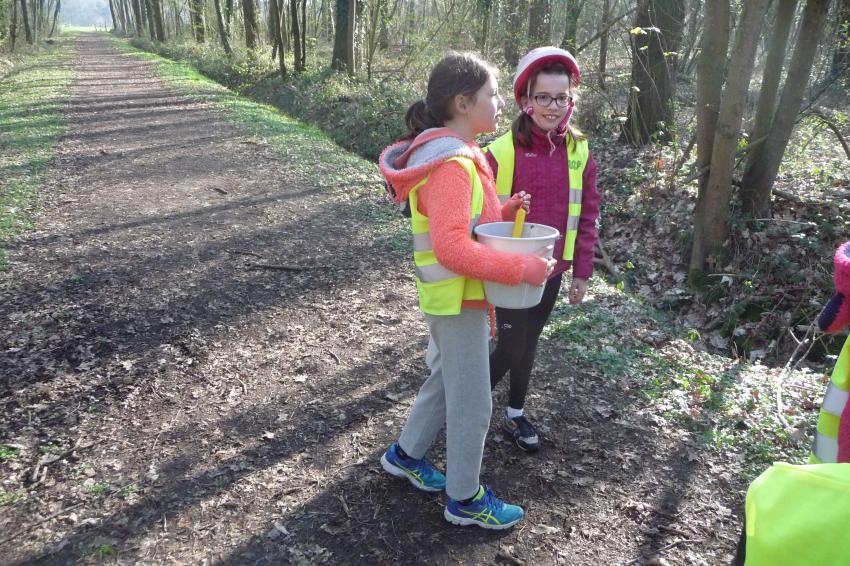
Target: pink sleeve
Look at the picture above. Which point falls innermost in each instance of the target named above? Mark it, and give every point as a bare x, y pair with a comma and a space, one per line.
491, 161
587, 234
446, 198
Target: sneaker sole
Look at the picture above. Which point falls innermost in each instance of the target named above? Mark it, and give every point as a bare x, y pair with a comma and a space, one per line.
399, 473
465, 522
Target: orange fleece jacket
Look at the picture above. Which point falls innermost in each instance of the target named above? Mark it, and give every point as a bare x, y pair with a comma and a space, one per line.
445, 199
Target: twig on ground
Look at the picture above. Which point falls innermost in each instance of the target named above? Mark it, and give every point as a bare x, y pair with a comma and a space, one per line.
252, 266
48, 459
790, 366
664, 548
244, 253
28, 528
509, 558
605, 260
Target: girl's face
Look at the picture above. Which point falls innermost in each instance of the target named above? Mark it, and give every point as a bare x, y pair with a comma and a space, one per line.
486, 108
554, 90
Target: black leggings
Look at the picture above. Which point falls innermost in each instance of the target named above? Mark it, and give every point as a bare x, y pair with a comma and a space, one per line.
518, 333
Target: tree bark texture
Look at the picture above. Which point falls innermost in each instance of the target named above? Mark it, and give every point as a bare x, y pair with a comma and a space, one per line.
196, 15
758, 180
603, 45
540, 23
26, 20
650, 111
718, 191
574, 8
841, 53
711, 74
157, 20
275, 10
13, 27
513, 32
249, 15
296, 35
222, 30
351, 27
339, 57
138, 23
769, 88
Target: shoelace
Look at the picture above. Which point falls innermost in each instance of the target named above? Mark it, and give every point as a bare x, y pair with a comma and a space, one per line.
490, 500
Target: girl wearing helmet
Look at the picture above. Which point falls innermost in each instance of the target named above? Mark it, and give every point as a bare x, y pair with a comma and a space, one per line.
543, 156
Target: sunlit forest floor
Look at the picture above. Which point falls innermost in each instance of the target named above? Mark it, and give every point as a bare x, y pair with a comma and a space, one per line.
210, 336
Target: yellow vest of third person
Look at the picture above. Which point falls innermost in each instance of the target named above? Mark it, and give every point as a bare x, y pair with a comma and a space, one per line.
503, 150
798, 516
441, 291
825, 449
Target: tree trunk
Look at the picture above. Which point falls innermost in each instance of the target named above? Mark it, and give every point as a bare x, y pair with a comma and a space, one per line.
228, 15
841, 52
111, 13
122, 13
513, 32
350, 61
275, 10
56, 17
303, 34
710, 77
758, 180
339, 57
650, 111
222, 31
540, 23
196, 15
26, 20
485, 9
138, 24
157, 19
249, 14
296, 35
603, 45
769, 88
13, 27
574, 8
150, 16
691, 37
718, 191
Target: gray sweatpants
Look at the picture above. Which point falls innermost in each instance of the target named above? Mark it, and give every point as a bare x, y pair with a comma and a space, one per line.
456, 393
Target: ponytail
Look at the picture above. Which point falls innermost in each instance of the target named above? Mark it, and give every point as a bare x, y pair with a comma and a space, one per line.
418, 119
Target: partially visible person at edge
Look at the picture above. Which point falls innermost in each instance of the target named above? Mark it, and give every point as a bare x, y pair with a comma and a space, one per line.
443, 173
546, 157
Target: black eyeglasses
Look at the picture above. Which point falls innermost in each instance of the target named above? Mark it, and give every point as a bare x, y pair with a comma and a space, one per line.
545, 100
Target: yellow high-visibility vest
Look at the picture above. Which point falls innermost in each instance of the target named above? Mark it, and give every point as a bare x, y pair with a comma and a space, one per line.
441, 291
503, 150
798, 516
825, 449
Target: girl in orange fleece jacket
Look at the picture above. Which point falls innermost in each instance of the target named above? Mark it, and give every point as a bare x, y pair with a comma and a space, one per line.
440, 169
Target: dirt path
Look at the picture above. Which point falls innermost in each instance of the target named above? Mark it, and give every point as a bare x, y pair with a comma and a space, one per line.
228, 415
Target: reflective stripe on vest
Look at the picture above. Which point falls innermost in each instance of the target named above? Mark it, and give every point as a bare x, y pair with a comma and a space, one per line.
442, 291
503, 150
825, 449
798, 515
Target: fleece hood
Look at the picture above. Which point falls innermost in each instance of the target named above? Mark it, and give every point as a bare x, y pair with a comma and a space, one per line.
406, 163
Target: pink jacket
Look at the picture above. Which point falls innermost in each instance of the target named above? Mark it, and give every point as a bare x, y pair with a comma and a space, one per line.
543, 173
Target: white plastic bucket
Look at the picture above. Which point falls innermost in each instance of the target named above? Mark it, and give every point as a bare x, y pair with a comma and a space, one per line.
537, 239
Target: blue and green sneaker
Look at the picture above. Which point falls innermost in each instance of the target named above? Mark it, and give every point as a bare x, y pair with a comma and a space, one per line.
420, 472
485, 510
